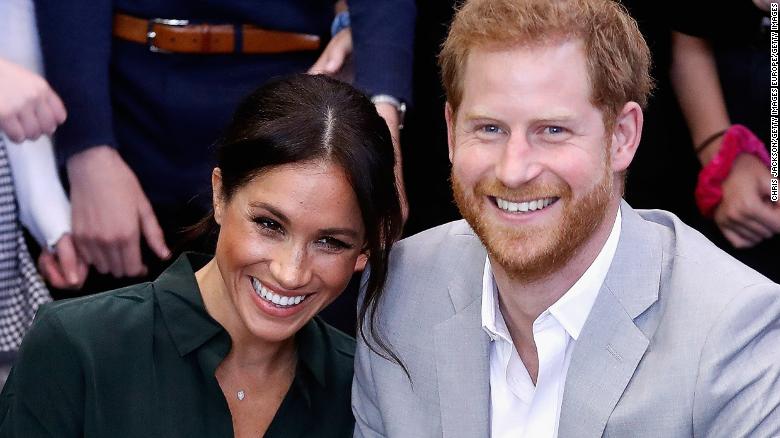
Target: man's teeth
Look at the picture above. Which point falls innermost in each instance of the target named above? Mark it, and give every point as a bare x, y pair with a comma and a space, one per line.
536, 204
278, 300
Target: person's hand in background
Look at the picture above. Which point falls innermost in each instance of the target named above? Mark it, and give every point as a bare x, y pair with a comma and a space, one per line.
63, 268
333, 58
745, 215
110, 214
29, 108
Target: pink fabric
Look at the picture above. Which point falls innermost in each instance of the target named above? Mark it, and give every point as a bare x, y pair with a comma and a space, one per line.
737, 139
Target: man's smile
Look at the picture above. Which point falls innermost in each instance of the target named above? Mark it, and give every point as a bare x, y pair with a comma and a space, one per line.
523, 206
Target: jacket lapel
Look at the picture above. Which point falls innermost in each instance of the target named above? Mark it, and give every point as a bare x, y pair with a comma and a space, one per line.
462, 348
611, 345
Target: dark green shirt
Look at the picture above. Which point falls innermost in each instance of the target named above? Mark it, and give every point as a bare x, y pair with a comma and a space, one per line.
140, 362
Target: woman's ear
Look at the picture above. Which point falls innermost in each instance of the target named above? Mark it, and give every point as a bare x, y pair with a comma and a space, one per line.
216, 194
360, 263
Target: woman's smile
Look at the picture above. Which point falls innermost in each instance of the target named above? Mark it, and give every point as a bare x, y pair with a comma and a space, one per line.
281, 301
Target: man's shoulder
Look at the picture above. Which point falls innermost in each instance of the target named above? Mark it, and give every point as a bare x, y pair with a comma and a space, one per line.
440, 241
712, 325
696, 258
696, 277
425, 267
435, 258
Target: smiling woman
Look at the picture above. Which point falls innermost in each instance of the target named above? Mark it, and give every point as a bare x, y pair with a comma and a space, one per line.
230, 345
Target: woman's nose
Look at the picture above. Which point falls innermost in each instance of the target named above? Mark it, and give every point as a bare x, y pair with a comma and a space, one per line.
290, 267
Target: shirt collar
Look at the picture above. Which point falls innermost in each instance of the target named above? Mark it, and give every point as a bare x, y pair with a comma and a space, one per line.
312, 348
490, 304
572, 309
181, 304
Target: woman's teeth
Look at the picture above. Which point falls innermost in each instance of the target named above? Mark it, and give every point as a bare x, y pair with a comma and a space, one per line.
277, 300
534, 205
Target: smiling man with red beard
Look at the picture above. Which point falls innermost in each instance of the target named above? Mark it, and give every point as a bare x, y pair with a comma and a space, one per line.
555, 309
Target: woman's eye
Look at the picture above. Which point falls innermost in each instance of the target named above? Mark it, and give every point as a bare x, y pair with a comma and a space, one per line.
269, 224
333, 244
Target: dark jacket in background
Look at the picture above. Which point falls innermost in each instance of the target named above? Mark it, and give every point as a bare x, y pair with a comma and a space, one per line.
163, 111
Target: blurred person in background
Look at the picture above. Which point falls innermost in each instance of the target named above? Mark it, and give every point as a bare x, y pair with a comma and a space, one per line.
722, 83
30, 191
152, 84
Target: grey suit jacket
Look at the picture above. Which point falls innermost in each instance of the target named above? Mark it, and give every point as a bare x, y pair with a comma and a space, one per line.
682, 341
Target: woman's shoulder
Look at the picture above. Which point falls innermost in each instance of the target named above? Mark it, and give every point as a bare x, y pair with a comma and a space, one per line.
95, 311
341, 344
328, 347
73, 347
94, 323
104, 332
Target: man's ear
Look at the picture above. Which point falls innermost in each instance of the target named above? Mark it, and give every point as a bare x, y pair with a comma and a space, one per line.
216, 194
360, 263
449, 116
626, 134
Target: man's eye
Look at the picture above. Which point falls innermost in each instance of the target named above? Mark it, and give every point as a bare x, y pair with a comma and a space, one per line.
491, 129
554, 130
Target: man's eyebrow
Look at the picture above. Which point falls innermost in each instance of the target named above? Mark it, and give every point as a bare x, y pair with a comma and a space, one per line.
556, 117
479, 115
556, 114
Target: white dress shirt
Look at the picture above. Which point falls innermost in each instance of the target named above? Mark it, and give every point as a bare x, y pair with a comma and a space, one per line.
517, 407
43, 206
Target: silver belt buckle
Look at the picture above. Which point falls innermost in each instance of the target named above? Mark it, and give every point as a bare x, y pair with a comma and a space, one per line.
151, 34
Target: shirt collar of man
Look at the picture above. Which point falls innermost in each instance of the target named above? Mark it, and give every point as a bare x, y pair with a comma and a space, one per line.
571, 310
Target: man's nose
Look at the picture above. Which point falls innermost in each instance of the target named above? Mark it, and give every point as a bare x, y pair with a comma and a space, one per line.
290, 267
518, 163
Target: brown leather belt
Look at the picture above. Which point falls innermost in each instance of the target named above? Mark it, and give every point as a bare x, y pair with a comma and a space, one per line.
178, 36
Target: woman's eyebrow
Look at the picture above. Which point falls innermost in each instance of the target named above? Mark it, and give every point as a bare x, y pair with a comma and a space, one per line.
273, 210
349, 232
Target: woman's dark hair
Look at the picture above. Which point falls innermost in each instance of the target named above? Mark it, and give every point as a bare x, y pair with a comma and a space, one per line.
304, 118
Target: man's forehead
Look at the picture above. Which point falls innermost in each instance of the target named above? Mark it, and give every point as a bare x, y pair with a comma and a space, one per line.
558, 68
535, 45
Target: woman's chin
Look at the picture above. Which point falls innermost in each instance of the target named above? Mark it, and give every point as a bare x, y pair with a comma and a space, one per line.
274, 322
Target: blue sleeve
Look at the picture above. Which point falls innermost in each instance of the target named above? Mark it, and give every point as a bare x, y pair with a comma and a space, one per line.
383, 35
76, 46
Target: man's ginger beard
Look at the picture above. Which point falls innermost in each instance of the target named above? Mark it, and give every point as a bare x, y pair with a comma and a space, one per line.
531, 252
